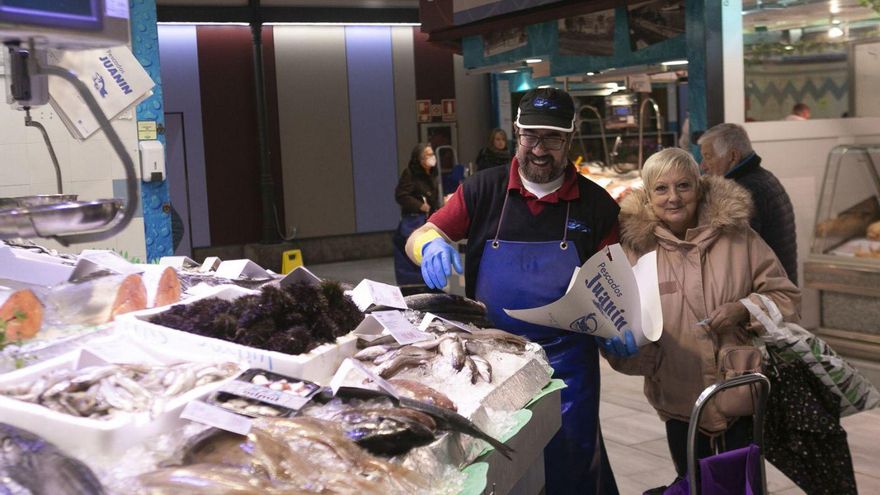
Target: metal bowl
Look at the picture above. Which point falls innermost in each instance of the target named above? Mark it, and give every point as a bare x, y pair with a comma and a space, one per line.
36, 200
59, 218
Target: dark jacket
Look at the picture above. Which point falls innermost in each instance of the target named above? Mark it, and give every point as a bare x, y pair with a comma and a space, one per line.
488, 158
773, 217
414, 185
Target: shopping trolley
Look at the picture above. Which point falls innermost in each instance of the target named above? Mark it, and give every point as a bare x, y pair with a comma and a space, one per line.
694, 484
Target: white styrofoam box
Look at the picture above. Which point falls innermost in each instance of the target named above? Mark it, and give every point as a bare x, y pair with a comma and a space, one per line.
33, 268
317, 366
87, 437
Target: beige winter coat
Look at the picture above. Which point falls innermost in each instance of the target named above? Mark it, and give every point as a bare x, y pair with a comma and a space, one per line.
720, 261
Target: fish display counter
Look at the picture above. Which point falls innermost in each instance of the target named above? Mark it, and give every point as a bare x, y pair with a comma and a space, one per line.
233, 387
617, 182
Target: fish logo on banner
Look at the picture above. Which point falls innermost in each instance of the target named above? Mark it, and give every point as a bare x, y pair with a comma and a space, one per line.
585, 324
100, 86
578, 226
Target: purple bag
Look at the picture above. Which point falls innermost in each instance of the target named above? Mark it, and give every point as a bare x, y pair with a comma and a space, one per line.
736, 472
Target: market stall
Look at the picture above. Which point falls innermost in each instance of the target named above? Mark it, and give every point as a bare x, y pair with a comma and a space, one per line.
397, 395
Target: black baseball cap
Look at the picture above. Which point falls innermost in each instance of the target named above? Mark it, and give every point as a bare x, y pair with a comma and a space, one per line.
546, 108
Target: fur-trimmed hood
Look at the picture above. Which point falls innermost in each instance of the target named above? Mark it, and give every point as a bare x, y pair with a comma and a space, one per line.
724, 205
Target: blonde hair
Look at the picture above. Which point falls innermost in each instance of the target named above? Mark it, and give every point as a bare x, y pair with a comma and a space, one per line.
663, 161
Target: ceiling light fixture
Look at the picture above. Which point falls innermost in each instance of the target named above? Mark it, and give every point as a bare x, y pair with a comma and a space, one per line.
510, 71
675, 62
533, 60
835, 32
834, 6
789, 47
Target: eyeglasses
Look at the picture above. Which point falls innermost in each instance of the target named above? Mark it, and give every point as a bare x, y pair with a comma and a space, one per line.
550, 143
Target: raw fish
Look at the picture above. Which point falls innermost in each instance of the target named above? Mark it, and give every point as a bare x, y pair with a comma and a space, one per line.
42, 468
21, 314
282, 456
386, 431
445, 419
95, 300
423, 393
162, 285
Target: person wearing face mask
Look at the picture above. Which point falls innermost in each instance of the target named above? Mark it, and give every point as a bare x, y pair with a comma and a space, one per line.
708, 258
528, 225
416, 193
727, 152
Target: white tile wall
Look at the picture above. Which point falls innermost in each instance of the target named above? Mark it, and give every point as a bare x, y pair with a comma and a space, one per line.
87, 167
38, 154
13, 169
14, 191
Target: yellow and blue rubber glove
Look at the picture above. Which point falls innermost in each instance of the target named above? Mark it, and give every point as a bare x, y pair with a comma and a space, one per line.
438, 260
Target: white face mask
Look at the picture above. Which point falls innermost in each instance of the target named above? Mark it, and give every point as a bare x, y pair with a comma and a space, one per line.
431, 161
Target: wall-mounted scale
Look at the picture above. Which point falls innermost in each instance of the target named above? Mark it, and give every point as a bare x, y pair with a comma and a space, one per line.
28, 29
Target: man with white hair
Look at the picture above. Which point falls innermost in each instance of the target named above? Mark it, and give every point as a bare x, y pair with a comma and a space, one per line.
727, 151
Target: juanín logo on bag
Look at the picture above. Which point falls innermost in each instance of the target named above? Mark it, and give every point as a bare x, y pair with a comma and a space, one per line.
115, 71
100, 87
585, 324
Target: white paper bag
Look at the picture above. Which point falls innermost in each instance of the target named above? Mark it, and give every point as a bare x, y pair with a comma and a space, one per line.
114, 77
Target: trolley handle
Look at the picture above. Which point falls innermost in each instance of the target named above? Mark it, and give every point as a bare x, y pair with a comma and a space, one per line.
758, 423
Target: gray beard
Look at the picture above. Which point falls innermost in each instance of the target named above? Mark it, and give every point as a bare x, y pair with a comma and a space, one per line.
540, 175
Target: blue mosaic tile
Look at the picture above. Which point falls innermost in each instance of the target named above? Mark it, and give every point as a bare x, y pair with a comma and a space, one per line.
155, 198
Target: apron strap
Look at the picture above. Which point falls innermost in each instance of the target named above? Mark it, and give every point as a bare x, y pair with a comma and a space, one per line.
562, 245
498, 230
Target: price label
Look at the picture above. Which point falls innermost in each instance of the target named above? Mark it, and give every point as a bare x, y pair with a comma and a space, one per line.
211, 263
235, 269
264, 394
429, 317
300, 274
350, 365
178, 262
217, 417
394, 322
368, 293
94, 260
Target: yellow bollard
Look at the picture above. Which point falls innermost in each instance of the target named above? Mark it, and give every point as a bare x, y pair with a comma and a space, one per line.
290, 260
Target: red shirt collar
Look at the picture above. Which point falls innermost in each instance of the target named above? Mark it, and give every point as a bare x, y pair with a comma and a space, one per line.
568, 191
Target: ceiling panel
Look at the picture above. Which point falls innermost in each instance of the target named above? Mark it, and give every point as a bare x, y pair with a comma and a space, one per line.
295, 3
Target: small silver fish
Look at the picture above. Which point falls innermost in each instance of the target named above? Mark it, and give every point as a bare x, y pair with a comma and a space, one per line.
371, 353
394, 366
452, 348
484, 368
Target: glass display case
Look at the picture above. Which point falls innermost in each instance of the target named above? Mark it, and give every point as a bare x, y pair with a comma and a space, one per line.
844, 259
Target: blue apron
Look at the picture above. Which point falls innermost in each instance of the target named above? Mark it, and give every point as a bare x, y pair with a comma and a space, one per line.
518, 275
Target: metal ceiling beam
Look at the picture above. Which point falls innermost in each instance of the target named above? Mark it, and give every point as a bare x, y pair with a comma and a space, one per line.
169, 13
